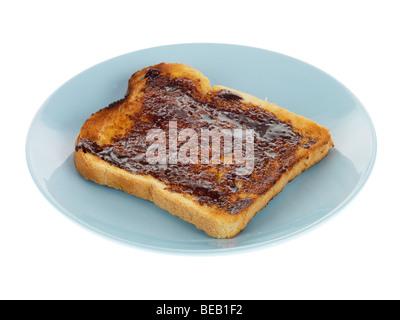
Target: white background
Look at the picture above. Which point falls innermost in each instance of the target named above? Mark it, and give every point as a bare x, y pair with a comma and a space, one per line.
44, 255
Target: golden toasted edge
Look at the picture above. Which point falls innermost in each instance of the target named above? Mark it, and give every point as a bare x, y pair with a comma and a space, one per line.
215, 222
102, 125
300, 124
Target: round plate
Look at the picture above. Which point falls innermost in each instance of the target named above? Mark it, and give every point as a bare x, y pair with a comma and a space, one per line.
299, 87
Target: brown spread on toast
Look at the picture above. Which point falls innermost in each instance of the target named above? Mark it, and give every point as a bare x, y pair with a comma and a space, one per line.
164, 99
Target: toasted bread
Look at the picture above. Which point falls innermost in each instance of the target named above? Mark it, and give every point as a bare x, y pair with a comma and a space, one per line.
214, 194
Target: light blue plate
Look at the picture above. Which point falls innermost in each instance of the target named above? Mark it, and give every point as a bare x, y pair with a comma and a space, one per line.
303, 89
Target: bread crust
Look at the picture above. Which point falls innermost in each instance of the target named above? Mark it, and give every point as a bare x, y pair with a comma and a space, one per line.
217, 223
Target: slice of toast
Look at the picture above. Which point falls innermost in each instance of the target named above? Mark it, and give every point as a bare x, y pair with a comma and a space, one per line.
145, 144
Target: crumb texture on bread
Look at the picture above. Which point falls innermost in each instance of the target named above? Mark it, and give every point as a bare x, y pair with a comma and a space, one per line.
213, 195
